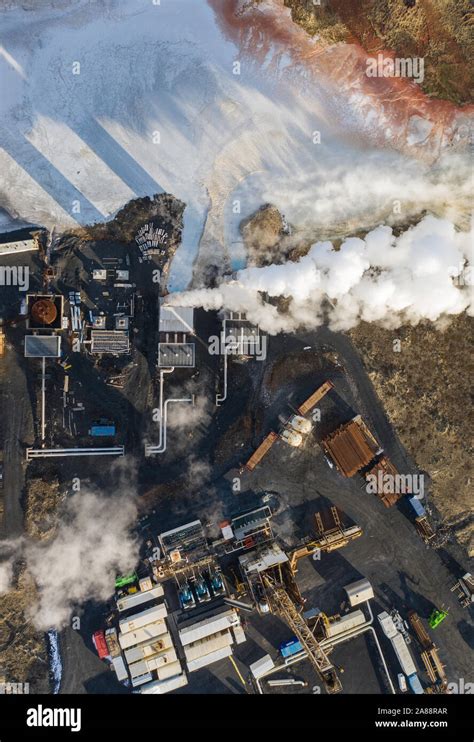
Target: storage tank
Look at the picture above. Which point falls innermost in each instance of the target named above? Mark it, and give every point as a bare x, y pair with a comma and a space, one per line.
292, 438
44, 312
300, 424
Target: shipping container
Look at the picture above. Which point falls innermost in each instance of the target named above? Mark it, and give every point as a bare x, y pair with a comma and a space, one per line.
102, 431
100, 644
415, 502
403, 654
415, 685
138, 598
291, 647
387, 625
113, 646
120, 669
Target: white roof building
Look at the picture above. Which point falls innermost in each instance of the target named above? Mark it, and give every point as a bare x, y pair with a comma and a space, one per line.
176, 319
208, 626
136, 599
150, 631
138, 620
359, 592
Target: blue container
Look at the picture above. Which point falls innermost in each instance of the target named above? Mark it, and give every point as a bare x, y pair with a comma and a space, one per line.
98, 431
287, 649
415, 685
415, 502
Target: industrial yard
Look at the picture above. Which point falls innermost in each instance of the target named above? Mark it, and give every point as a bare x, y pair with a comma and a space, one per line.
270, 569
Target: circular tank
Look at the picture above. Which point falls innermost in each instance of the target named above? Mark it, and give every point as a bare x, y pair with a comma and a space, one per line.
44, 312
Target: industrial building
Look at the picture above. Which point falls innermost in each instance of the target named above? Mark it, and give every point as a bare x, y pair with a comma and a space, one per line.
19, 240
115, 342
240, 336
142, 649
209, 639
174, 348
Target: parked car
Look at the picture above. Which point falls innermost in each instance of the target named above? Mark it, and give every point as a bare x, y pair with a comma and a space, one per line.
402, 683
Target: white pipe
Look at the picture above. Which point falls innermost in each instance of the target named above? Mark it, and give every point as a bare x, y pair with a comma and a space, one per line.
357, 632
49, 453
166, 418
328, 643
43, 400
150, 449
222, 397
161, 448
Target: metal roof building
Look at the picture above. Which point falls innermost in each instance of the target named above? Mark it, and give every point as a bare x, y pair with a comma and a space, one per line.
150, 631
176, 319
136, 599
165, 686
42, 346
110, 341
139, 620
267, 558
208, 626
179, 355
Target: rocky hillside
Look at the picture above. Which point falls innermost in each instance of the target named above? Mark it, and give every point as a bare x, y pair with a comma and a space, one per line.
440, 31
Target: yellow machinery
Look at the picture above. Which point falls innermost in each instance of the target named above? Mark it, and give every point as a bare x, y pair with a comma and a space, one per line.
434, 666
327, 539
282, 605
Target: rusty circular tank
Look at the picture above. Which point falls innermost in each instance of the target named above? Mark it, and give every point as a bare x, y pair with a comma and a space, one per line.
44, 312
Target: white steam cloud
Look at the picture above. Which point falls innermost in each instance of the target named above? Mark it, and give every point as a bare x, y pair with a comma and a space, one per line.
6, 576
424, 273
92, 544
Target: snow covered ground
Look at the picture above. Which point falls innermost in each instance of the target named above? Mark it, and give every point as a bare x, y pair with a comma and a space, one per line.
106, 101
